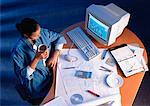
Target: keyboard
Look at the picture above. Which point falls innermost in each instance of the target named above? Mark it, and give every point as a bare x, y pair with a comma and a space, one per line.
80, 39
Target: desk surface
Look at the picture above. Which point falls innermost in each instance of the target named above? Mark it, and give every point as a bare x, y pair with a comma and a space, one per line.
131, 84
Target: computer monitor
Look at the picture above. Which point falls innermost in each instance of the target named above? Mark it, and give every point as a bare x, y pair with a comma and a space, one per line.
105, 23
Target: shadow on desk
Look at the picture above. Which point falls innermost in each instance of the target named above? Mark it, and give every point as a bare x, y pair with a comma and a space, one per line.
143, 96
149, 61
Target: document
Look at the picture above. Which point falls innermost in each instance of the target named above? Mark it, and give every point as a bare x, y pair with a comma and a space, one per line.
58, 101
138, 51
127, 60
112, 100
67, 84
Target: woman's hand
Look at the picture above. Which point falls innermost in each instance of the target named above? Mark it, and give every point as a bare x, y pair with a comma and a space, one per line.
52, 61
37, 57
43, 55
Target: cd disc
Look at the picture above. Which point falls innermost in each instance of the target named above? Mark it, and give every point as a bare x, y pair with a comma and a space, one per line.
76, 99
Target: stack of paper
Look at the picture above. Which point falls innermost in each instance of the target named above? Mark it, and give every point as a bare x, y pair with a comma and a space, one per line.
139, 54
129, 58
67, 84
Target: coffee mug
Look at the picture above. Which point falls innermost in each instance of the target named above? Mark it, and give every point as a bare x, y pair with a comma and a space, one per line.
42, 48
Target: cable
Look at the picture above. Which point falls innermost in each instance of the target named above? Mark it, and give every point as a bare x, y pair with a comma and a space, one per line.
74, 58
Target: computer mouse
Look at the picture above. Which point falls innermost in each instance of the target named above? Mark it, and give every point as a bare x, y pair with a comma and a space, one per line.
70, 58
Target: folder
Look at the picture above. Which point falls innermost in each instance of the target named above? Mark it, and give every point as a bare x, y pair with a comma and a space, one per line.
126, 60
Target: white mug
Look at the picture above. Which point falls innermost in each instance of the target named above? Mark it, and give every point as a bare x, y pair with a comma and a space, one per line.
42, 48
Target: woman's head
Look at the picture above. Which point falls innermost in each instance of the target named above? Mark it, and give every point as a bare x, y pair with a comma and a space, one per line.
29, 28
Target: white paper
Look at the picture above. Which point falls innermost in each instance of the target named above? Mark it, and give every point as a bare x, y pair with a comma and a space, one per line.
139, 54
122, 53
69, 84
115, 99
59, 101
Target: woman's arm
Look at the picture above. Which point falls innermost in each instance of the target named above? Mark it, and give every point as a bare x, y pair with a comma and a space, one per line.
58, 41
21, 68
52, 61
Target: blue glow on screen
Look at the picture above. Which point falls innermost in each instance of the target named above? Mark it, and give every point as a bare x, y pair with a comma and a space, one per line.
97, 27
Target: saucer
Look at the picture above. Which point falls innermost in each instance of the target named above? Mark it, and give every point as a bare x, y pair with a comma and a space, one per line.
114, 80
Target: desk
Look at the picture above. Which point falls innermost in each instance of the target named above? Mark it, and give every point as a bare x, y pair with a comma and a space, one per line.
131, 84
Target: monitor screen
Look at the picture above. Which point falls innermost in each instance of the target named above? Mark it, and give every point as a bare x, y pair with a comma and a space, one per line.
97, 27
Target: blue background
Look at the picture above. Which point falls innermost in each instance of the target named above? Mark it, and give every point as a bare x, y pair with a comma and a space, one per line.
55, 15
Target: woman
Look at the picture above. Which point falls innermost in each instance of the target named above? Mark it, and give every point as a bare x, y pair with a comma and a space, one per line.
34, 68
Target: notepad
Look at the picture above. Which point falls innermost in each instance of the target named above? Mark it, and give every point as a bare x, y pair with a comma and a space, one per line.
127, 60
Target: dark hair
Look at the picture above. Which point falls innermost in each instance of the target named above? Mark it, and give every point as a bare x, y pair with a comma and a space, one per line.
27, 26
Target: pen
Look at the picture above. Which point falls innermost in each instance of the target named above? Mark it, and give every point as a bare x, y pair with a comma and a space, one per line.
105, 68
69, 67
93, 93
103, 54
